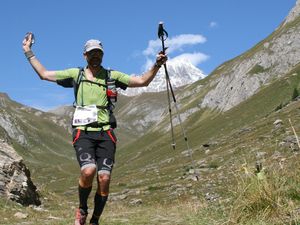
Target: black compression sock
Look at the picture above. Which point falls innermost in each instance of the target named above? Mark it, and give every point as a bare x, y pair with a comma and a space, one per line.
99, 203
83, 197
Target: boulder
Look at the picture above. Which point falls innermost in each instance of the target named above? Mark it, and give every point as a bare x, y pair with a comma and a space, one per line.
15, 181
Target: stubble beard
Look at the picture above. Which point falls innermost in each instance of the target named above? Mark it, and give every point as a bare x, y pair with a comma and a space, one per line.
94, 62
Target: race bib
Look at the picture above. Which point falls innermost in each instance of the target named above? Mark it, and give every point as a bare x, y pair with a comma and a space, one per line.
84, 115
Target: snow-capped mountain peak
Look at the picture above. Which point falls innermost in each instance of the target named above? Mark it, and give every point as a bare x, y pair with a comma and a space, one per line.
181, 72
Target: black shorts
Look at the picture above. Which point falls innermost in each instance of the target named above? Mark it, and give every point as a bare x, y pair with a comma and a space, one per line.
95, 149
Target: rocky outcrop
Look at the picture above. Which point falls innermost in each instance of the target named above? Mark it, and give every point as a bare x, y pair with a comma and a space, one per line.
15, 181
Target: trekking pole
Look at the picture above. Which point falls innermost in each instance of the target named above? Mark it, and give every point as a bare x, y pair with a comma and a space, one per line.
163, 35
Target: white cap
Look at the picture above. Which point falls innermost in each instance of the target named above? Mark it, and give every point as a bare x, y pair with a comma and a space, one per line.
92, 44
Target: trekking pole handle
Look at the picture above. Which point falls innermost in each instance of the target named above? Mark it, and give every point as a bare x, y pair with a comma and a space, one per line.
162, 35
160, 29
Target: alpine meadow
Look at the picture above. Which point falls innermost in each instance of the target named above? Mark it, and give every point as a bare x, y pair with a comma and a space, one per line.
242, 122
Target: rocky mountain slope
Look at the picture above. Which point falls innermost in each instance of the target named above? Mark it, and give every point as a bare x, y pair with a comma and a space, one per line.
240, 78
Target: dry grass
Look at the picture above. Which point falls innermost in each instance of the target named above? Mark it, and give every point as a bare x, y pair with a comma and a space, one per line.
176, 214
268, 197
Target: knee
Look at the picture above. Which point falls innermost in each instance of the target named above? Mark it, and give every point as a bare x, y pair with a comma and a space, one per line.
104, 178
103, 187
88, 173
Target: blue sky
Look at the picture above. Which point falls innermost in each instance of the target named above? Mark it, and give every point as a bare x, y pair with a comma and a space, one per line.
207, 32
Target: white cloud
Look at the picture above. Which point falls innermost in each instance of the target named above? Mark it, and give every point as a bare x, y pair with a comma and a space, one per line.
213, 24
184, 39
174, 43
148, 64
194, 58
153, 47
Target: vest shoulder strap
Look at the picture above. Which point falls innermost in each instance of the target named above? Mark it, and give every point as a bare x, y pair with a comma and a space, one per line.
80, 79
77, 83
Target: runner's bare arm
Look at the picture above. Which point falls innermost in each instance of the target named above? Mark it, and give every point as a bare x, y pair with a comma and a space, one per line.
43, 73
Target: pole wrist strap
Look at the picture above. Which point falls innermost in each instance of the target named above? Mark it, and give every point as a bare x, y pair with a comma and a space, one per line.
157, 65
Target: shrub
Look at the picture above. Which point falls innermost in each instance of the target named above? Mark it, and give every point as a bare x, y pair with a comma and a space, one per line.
295, 94
257, 69
278, 107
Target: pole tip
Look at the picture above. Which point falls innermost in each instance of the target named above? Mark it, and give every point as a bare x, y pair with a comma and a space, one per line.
173, 145
161, 23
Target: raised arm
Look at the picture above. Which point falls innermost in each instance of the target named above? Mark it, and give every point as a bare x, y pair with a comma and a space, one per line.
146, 78
43, 73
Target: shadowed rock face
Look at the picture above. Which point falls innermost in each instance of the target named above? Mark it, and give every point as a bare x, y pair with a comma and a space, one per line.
15, 182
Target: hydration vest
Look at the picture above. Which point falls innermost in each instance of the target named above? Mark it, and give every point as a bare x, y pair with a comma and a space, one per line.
111, 93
